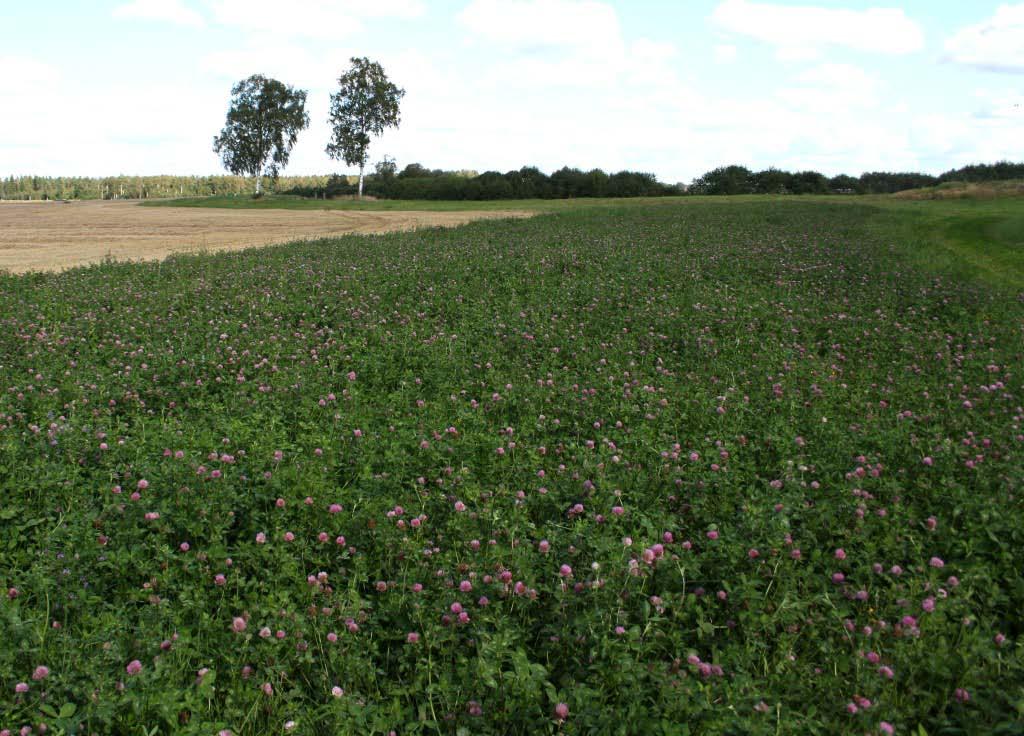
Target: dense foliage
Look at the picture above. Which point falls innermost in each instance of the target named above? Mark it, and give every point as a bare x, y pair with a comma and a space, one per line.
704, 468
141, 187
999, 171
741, 180
262, 126
366, 103
418, 182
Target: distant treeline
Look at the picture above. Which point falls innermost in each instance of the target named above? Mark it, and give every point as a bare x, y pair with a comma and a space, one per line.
741, 180
139, 187
418, 182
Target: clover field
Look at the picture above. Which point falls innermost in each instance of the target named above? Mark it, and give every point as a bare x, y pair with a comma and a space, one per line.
747, 468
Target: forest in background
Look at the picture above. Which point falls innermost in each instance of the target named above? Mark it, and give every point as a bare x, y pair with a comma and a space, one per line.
741, 180
140, 187
417, 182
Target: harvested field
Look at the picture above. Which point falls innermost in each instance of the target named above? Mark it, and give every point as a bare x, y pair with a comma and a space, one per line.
52, 236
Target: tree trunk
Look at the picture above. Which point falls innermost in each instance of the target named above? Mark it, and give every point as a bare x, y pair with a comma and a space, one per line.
259, 185
360, 181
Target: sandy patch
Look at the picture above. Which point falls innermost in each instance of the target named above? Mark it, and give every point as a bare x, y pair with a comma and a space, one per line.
51, 236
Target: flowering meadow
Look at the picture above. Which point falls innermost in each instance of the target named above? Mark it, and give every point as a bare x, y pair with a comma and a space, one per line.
745, 468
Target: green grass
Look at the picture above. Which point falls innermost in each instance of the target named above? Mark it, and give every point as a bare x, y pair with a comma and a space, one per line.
968, 239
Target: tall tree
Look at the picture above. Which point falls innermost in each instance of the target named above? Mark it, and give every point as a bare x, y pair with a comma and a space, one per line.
263, 123
365, 104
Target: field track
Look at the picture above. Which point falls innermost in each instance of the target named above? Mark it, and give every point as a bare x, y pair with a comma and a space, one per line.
52, 236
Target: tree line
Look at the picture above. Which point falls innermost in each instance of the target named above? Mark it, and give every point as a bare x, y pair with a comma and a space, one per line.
418, 182
741, 180
140, 187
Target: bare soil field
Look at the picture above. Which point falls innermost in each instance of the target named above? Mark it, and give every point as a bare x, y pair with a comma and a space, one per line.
52, 236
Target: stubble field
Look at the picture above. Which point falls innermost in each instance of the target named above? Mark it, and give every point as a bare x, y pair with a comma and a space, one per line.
728, 467
50, 236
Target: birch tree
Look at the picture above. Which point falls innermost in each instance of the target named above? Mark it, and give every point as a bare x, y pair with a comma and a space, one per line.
365, 104
263, 124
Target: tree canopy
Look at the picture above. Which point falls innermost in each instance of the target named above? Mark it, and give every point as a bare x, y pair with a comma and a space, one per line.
263, 123
365, 104
741, 180
416, 181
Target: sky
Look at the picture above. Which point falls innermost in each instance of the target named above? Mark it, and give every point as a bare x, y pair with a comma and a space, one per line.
671, 87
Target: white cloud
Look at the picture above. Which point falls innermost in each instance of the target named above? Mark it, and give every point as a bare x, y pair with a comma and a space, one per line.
802, 32
1001, 104
656, 51
544, 24
292, 63
961, 139
170, 11
575, 48
725, 53
996, 44
122, 129
797, 53
640, 114
25, 75
321, 19
831, 87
